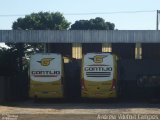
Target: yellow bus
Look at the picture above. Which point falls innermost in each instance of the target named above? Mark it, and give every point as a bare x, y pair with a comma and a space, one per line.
46, 76
98, 75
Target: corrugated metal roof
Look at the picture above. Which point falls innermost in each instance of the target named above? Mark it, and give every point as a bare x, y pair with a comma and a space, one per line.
80, 36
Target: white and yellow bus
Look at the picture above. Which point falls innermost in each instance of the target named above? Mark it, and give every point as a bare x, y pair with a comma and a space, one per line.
46, 76
99, 75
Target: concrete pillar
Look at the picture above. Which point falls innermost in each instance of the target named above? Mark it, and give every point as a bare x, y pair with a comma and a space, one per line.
77, 50
106, 47
138, 51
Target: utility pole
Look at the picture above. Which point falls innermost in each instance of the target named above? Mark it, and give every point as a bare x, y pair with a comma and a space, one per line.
157, 21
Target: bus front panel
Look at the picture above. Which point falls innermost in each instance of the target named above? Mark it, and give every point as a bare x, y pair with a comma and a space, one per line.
46, 75
99, 75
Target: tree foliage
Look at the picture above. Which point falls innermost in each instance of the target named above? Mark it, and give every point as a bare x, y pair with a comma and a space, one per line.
42, 21
9, 62
92, 24
39, 21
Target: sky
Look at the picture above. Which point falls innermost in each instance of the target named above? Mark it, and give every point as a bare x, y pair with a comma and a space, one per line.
122, 21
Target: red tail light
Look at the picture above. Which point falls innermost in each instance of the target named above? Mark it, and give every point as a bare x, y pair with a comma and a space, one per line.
82, 84
113, 84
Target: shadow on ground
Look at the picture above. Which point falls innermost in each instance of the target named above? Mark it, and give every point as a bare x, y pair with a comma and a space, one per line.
85, 104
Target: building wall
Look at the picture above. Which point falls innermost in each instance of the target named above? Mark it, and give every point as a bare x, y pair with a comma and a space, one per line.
151, 51
124, 50
91, 47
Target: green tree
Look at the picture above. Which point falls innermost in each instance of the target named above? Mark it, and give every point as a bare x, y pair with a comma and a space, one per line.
39, 21
8, 62
42, 21
92, 24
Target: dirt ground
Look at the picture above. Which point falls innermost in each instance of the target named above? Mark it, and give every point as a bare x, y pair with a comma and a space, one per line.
76, 111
